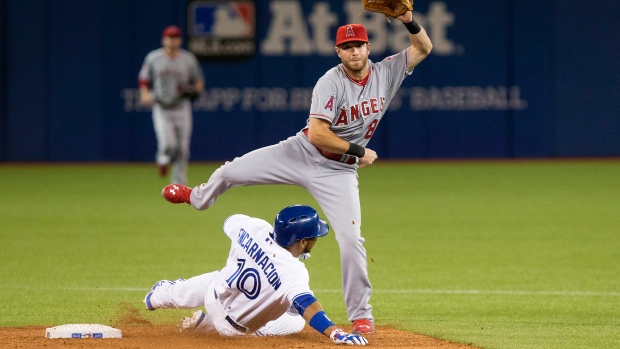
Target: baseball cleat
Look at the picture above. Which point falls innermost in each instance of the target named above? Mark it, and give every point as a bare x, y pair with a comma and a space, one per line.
163, 170
147, 299
191, 323
363, 326
177, 193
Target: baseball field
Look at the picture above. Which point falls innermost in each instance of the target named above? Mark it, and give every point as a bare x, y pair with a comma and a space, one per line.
492, 254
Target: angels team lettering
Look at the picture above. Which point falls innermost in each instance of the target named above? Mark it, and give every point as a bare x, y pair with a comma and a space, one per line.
171, 73
365, 108
330, 104
258, 255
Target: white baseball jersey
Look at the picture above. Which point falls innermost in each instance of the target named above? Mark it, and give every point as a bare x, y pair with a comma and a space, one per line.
164, 74
261, 279
354, 108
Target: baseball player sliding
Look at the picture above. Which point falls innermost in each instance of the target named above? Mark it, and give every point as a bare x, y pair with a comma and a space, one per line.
263, 289
347, 104
170, 76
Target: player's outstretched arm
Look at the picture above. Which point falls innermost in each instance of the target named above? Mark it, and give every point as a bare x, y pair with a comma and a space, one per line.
421, 44
316, 318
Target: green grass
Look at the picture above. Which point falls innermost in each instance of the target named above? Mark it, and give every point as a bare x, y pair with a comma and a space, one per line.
521, 254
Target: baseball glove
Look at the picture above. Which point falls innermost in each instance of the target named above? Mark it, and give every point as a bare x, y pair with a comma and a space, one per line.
390, 8
188, 91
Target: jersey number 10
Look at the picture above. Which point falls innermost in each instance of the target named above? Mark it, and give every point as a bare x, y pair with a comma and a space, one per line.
248, 280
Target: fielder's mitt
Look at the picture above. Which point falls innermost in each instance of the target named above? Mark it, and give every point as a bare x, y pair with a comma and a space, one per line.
390, 8
188, 91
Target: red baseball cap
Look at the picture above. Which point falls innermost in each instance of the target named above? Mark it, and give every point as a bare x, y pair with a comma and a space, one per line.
351, 32
172, 31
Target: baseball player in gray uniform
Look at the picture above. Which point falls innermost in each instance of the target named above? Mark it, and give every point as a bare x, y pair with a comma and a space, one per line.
263, 289
169, 77
347, 104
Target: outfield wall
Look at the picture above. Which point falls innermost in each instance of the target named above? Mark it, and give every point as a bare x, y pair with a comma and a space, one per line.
510, 78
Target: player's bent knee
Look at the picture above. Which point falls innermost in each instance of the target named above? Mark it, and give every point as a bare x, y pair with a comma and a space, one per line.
298, 324
282, 326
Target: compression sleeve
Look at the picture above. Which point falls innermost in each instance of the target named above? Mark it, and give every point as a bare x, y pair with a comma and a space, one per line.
302, 302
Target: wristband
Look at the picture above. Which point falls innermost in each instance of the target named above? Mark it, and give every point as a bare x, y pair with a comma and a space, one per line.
413, 27
356, 150
320, 322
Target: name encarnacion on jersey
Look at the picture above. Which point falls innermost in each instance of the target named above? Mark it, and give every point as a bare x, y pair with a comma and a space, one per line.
258, 255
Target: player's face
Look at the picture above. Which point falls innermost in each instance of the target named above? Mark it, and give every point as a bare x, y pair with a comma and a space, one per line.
309, 244
171, 43
354, 55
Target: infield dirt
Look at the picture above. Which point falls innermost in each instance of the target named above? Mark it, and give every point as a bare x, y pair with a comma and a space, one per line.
138, 332
145, 336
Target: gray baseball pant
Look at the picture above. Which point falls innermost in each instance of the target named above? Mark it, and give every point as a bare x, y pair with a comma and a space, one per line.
334, 185
173, 129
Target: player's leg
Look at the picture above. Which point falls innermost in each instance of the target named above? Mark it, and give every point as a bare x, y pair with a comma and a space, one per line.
336, 191
282, 163
284, 325
185, 294
182, 137
164, 133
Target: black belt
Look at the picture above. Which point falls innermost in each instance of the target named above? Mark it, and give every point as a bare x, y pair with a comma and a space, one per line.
236, 325
347, 159
231, 321
168, 106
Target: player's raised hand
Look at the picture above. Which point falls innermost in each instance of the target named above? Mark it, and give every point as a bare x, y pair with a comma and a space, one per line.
341, 337
405, 17
369, 157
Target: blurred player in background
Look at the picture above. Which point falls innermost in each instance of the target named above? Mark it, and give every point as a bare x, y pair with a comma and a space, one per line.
169, 79
263, 289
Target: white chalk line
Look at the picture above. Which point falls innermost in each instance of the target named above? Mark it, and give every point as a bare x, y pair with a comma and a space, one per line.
375, 291
500, 292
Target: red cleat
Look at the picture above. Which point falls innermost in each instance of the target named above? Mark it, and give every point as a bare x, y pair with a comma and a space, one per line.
163, 170
177, 193
363, 326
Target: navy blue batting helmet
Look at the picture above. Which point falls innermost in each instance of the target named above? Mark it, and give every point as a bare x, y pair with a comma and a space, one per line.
298, 222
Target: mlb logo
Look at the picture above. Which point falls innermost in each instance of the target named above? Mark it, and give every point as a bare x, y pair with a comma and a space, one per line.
230, 19
221, 30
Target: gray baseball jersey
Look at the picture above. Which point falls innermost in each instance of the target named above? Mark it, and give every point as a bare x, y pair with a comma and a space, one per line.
354, 109
164, 74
